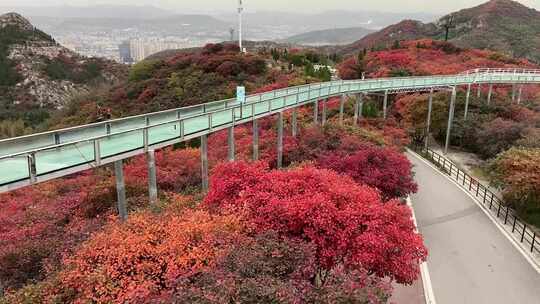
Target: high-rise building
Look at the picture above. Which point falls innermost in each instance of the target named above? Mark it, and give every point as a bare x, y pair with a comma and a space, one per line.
124, 50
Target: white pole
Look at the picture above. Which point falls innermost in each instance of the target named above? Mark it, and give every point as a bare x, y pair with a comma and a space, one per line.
240, 10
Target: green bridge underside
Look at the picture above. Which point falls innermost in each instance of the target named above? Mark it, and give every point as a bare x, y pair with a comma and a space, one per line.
66, 151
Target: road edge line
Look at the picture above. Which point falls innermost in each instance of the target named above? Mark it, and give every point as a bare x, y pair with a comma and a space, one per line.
429, 295
531, 260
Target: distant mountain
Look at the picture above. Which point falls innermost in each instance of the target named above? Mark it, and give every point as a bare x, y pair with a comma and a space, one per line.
331, 36
95, 11
502, 25
37, 75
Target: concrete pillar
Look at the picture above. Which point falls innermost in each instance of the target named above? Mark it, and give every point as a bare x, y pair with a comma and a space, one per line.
490, 93
255, 140
120, 189
356, 106
325, 101
316, 111
513, 93
520, 92
204, 163
152, 176
230, 143
428, 123
385, 104
467, 100
341, 108
479, 92
280, 141
294, 122
450, 119
360, 107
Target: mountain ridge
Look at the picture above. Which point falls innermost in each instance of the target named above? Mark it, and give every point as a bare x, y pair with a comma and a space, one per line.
505, 26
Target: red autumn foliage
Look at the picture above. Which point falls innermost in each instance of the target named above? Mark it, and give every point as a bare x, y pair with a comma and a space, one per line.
382, 168
346, 222
128, 263
177, 170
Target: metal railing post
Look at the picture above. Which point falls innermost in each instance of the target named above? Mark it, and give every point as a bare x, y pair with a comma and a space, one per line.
533, 241
152, 176
32, 171
204, 162
97, 153
120, 189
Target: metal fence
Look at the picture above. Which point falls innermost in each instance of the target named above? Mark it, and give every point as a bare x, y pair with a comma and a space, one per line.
506, 215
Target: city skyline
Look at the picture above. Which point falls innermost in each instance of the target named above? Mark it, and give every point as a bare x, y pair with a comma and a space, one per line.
298, 6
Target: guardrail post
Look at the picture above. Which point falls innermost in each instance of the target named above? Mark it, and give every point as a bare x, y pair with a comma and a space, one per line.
490, 93
385, 104
316, 111
56, 138
450, 119
230, 144
294, 122
255, 140
467, 99
324, 111
428, 123
514, 225
523, 232
120, 189
506, 216
533, 241
280, 141
152, 179
204, 162
341, 108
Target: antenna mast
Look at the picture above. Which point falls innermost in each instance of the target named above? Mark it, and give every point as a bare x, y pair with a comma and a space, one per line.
240, 10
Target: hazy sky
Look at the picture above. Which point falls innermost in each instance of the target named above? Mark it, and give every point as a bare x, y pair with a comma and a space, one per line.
431, 6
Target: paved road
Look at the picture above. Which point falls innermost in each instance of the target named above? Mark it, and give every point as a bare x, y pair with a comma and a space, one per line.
470, 260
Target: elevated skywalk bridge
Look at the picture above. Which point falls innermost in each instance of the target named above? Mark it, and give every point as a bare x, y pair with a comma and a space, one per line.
40, 157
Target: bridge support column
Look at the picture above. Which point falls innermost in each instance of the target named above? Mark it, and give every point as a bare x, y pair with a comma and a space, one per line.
204, 163
385, 104
323, 120
356, 107
294, 123
520, 92
120, 189
467, 99
513, 93
230, 143
341, 108
428, 123
280, 141
490, 93
316, 111
255, 140
152, 179
479, 92
450, 119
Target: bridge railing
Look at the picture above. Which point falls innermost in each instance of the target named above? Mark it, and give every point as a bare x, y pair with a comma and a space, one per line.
521, 231
500, 71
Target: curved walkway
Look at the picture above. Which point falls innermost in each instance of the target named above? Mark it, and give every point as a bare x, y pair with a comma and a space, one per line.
470, 260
